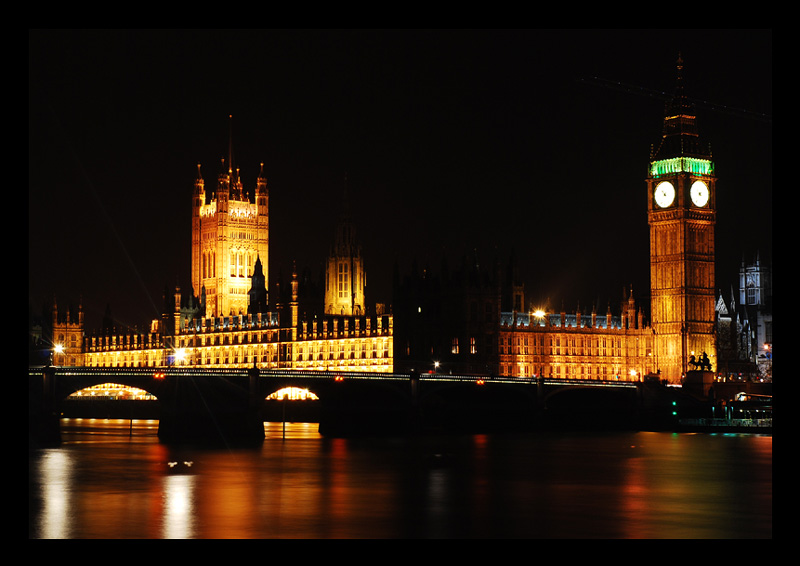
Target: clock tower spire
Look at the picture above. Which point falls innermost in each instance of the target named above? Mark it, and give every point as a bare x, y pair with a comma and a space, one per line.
681, 211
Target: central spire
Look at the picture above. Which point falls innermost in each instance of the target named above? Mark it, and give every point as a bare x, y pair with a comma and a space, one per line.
230, 144
680, 136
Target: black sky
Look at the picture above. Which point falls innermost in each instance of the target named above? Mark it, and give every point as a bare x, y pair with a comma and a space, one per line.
452, 143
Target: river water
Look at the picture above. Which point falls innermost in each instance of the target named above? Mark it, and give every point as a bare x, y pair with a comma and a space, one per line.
113, 479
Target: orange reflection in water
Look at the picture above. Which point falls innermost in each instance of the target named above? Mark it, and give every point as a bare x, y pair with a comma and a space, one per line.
665, 497
105, 484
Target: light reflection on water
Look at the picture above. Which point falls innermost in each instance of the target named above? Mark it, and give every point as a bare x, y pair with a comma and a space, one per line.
109, 479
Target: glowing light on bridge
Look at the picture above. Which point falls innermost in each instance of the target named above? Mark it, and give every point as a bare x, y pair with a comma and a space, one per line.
293, 394
112, 391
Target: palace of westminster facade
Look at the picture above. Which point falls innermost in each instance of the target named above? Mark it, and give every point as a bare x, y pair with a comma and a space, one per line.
461, 322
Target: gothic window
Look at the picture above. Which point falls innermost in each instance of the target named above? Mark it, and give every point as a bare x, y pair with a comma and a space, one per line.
343, 280
751, 295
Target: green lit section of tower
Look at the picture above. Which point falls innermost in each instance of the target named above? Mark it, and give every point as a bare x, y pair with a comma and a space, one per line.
681, 165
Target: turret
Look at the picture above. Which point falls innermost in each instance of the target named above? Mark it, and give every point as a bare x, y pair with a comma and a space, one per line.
294, 305
258, 290
346, 279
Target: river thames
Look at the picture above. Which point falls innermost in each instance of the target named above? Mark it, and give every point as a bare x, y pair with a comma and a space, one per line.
113, 479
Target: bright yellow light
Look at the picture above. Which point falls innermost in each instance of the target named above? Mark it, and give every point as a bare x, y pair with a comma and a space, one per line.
59, 348
180, 354
538, 313
293, 394
113, 390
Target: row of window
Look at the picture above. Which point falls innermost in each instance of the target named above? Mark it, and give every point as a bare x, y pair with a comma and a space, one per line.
241, 263
540, 344
566, 371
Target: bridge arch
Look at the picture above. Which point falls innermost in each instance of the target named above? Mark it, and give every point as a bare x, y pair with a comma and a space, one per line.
292, 394
113, 391
151, 382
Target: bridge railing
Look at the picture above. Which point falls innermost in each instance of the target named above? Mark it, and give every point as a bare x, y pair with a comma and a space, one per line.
321, 374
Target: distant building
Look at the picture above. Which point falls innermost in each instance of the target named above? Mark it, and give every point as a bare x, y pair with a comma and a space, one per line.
755, 292
744, 324
448, 321
734, 339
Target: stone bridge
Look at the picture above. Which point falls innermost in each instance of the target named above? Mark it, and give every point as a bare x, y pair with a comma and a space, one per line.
226, 404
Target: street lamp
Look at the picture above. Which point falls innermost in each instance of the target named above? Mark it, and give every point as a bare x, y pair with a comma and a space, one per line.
57, 349
180, 355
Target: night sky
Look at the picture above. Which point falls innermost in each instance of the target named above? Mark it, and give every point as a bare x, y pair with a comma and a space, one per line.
452, 144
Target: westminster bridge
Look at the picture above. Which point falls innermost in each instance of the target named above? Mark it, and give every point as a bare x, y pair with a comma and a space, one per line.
197, 404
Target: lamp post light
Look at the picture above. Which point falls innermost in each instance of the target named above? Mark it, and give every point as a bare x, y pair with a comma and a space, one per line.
180, 356
57, 349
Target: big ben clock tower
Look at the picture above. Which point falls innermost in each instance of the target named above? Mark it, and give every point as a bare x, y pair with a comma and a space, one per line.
681, 212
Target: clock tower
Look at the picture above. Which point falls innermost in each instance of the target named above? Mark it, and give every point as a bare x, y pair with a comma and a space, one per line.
681, 212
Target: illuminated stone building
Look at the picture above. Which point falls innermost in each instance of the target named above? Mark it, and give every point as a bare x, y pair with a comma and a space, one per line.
578, 345
345, 276
67, 336
233, 323
230, 233
681, 211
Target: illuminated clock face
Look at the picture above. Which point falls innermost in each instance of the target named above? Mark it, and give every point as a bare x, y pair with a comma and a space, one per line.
699, 193
665, 194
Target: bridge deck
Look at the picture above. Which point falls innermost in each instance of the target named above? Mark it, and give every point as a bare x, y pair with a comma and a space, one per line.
316, 374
